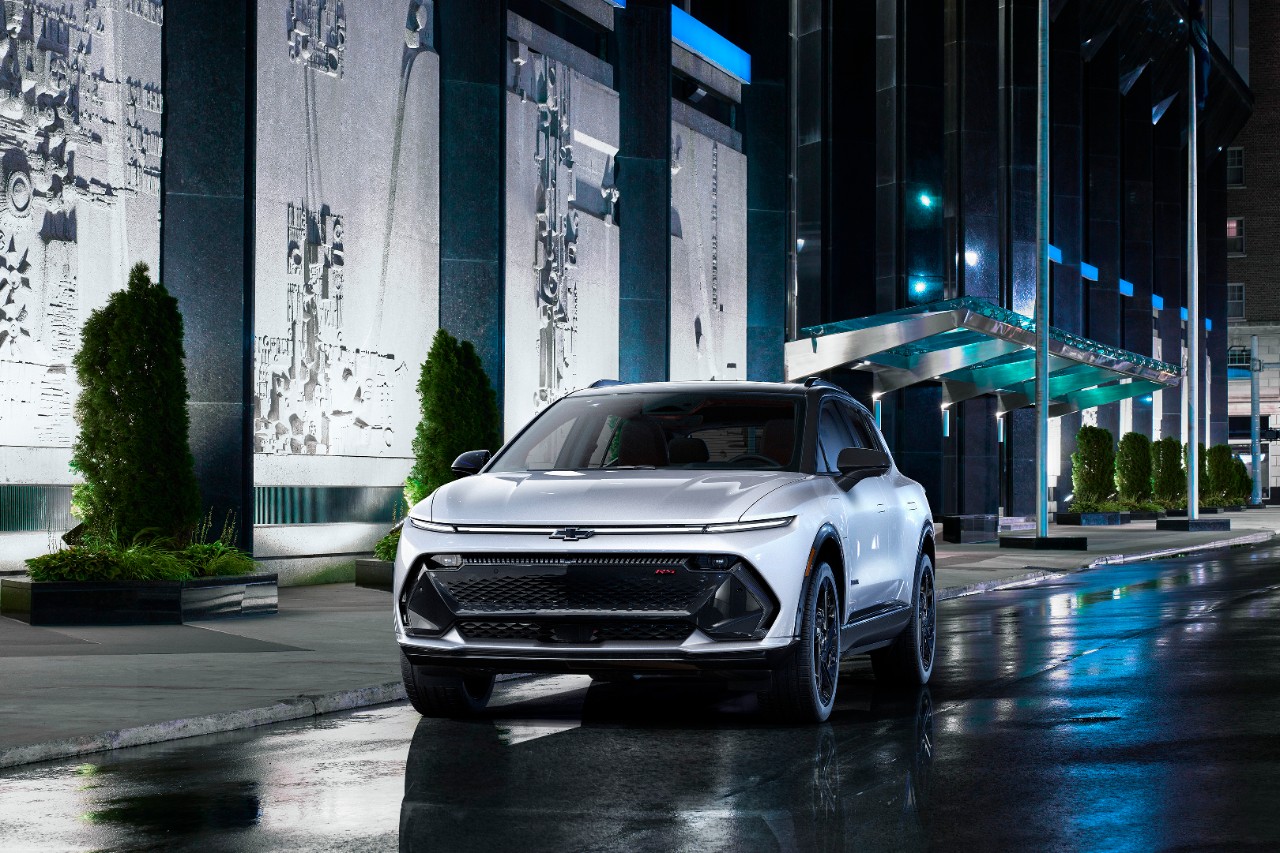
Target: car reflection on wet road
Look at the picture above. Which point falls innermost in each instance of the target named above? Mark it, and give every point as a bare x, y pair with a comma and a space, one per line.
1133, 708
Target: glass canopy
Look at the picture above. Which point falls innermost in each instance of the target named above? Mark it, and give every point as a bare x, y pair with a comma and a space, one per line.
973, 347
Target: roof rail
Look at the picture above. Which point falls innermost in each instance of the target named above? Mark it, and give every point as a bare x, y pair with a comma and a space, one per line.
811, 381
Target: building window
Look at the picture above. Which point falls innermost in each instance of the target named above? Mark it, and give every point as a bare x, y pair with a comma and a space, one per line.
1235, 236
1235, 167
1235, 302
1238, 357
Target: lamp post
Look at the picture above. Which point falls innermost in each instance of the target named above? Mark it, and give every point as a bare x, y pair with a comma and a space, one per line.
1042, 278
1193, 291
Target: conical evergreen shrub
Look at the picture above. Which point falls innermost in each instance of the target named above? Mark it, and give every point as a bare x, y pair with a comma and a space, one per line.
132, 448
1093, 466
1168, 474
459, 413
1133, 468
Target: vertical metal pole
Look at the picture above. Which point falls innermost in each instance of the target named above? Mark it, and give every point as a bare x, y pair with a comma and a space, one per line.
1255, 440
1042, 279
1193, 294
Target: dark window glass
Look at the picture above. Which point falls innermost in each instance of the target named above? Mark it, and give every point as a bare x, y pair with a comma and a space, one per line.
1235, 167
1235, 236
835, 433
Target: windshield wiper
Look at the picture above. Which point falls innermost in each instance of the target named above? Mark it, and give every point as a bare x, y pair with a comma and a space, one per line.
630, 467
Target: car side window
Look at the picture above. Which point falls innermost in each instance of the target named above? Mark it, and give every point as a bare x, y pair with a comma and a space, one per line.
835, 433
863, 428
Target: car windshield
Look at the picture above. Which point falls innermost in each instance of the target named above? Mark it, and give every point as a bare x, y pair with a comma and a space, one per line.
660, 429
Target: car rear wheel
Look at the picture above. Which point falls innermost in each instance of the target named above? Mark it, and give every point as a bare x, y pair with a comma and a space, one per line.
456, 696
909, 659
804, 685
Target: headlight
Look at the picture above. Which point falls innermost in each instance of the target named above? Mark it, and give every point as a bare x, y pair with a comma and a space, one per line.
427, 524
742, 526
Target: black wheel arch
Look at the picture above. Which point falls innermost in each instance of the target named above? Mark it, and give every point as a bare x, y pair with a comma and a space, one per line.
826, 548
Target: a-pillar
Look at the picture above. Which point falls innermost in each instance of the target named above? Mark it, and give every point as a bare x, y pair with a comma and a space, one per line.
472, 40
206, 258
643, 33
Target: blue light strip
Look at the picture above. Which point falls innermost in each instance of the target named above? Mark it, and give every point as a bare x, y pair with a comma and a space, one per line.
1208, 324
687, 31
1157, 302
1184, 314
1055, 254
1089, 271
1126, 288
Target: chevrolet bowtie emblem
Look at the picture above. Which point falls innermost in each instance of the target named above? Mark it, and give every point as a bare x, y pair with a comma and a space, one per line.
572, 534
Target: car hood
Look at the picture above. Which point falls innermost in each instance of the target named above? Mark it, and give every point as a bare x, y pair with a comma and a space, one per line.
604, 497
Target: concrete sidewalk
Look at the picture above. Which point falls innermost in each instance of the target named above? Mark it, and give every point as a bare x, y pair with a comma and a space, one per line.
73, 691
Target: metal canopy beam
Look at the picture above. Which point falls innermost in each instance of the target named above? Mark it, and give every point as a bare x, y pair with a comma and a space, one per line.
974, 348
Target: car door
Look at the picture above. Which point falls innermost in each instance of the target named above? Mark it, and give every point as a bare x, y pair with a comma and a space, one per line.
861, 507
903, 518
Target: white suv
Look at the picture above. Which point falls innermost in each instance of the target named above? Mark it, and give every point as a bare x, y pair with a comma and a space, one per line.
746, 530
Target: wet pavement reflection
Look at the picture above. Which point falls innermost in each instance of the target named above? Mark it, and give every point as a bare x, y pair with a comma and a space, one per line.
1128, 709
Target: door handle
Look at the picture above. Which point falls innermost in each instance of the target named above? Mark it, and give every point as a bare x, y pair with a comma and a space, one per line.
912, 505
880, 508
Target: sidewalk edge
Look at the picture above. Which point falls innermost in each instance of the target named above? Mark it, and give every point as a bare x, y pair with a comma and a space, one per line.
294, 708
1257, 538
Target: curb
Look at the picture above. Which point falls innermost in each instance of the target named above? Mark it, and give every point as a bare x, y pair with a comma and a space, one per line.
1035, 575
999, 583
295, 708
1250, 539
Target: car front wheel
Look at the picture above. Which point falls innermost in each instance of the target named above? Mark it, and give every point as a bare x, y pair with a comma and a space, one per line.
457, 696
804, 685
909, 659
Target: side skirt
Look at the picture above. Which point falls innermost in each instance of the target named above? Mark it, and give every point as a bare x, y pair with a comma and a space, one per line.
874, 630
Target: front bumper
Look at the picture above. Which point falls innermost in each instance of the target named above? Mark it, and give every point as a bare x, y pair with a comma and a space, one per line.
656, 617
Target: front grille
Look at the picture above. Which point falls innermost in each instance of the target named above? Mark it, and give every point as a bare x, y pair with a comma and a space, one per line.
559, 592
520, 583
623, 630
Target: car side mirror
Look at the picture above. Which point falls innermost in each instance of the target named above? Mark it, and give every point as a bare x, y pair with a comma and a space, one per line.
862, 462
470, 462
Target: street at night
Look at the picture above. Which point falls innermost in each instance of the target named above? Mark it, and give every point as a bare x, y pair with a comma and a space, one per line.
1129, 708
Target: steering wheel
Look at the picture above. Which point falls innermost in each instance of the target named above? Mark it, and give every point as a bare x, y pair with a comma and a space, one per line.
753, 457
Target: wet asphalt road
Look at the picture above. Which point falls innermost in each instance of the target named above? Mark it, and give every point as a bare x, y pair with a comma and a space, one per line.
1128, 709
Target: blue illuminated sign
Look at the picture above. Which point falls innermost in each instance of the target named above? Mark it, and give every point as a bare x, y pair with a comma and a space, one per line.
1055, 254
1089, 271
687, 31
1184, 314
1208, 324
1157, 302
1126, 288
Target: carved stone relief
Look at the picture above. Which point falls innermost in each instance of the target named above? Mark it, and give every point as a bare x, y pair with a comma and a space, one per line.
317, 34
315, 393
80, 152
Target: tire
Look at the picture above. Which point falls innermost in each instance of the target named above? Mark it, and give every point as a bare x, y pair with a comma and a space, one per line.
455, 696
909, 659
804, 685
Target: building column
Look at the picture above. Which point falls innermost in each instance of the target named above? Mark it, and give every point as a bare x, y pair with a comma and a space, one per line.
766, 133
1137, 207
1169, 233
472, 40
207, 228
643, 33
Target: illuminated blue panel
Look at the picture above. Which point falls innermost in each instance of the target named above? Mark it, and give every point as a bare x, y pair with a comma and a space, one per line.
691, 33
1208, 324
1089, 271
1157, 302
1184, 314
621, 4
1238, 373
1055, 254
1126, 288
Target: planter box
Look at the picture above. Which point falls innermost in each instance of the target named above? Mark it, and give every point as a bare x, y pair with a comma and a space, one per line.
374, 574
1092, 519
961, 529
1146, 515
1182, 513
137, 602
1240, 508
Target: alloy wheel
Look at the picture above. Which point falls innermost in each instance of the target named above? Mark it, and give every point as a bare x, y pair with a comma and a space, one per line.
926, 617
826, 643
